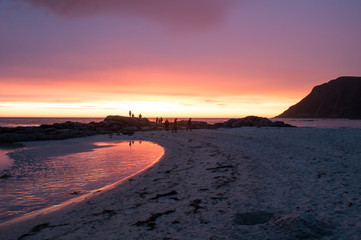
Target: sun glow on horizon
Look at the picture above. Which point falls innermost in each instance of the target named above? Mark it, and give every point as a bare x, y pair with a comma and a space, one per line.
215, 59
226, 107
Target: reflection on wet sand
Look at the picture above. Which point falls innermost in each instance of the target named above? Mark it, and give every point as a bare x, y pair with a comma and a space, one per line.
39, 181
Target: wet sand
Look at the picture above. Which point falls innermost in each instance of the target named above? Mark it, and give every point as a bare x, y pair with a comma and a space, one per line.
245, 183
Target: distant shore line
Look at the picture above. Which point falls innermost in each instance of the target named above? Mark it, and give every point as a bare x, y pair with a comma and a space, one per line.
119, 125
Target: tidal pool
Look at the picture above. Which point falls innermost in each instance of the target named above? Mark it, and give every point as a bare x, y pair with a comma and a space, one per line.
44, 175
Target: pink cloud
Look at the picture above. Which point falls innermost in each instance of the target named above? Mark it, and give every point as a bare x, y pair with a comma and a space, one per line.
176, 15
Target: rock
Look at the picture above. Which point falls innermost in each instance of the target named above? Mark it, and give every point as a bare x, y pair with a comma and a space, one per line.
68, 129
339, 98
127, 121
195, 124
4, 176
56, 131
250, 121
114, 124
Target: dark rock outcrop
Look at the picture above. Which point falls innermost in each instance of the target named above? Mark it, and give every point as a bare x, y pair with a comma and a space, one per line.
120, 124
116, 124
250, 121
195, 125
56, 131
339, 98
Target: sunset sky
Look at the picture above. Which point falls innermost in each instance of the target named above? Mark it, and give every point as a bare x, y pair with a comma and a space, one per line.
198, 58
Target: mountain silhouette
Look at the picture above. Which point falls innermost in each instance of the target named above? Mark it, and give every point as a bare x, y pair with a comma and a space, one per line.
339, 98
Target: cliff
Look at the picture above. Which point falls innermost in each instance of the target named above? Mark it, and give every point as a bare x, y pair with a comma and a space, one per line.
339, 98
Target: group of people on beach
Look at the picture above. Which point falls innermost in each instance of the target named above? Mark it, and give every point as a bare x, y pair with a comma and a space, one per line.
159, 120
175, 125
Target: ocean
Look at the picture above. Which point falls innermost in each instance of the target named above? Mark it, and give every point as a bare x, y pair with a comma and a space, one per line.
298, 122
33, 122
321, 122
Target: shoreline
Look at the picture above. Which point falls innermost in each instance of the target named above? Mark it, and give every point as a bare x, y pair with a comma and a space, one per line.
115, 124
248, 183
70, 203
64, 148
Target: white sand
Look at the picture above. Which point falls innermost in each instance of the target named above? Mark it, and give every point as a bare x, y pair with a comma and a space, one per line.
246, 183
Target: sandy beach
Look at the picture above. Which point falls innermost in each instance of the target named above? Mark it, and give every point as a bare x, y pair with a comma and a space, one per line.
244, 183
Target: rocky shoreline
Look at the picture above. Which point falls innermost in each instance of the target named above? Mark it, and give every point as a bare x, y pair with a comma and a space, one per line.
118, 125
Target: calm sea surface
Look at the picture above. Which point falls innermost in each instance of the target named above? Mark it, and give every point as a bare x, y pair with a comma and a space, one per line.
28, 122
45, 174
321, 122
298, 122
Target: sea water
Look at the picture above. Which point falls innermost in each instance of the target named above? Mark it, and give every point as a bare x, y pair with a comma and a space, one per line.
34, 122
321, 122
298, 122
48, 173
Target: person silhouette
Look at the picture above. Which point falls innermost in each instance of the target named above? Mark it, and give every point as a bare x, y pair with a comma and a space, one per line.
175, 125
130, 113
189, 124
166, 124
140, 115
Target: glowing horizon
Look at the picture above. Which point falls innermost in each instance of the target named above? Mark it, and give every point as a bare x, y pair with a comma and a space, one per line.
196, 58
150, 108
